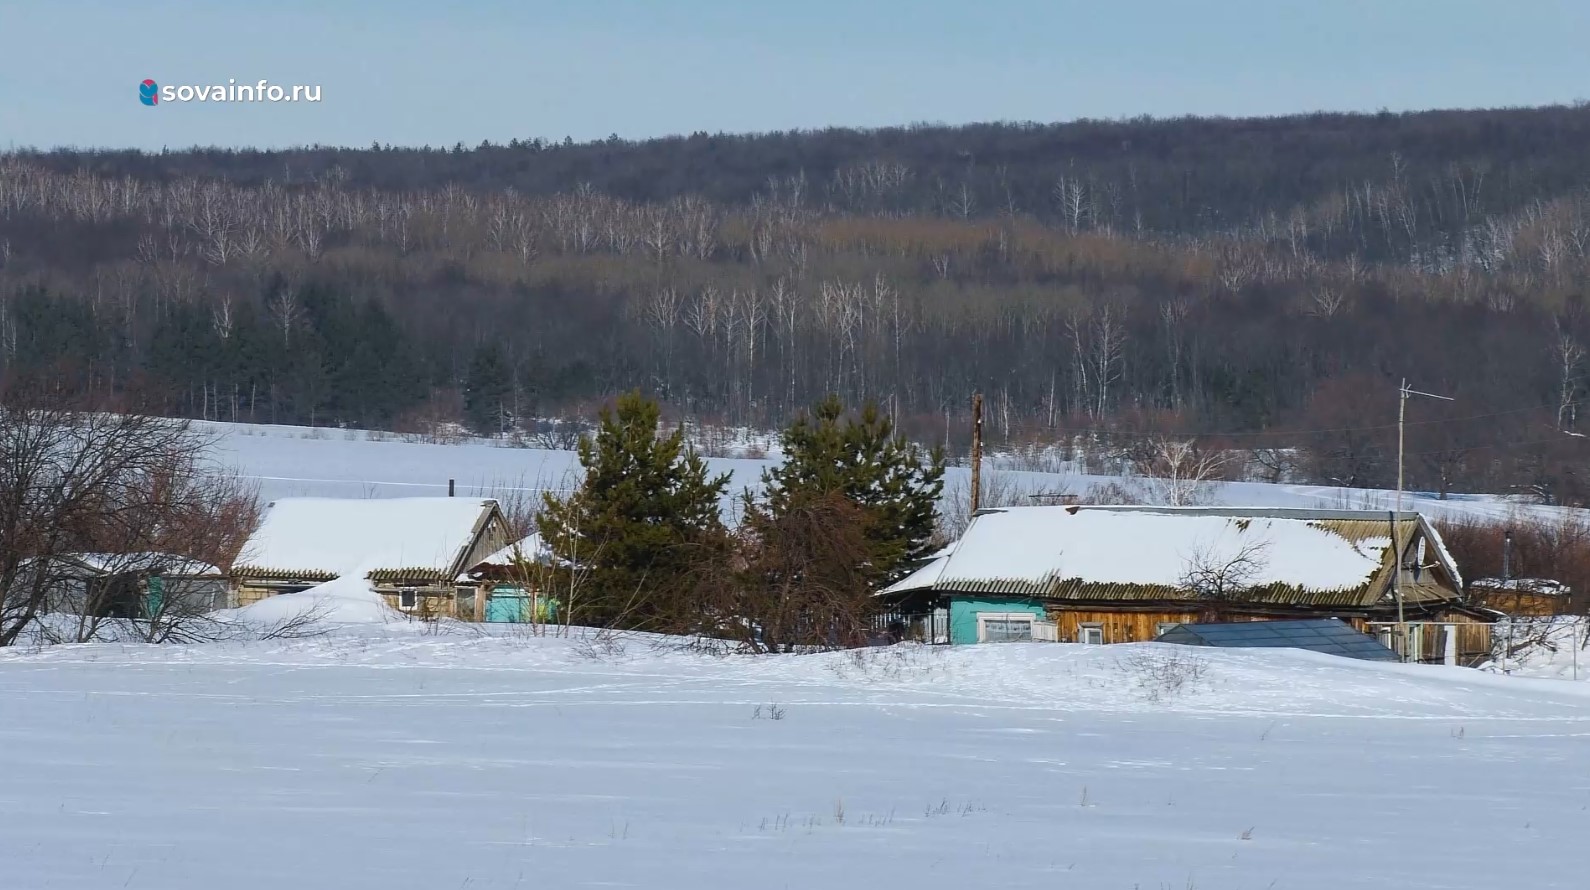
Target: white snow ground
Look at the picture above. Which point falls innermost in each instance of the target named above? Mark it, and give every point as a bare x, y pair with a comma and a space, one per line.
388, 756
289, 461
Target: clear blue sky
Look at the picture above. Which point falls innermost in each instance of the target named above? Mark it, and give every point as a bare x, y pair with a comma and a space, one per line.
438, 73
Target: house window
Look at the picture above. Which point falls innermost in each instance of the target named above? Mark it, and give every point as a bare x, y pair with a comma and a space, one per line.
995, 627
1092, 634
408, 598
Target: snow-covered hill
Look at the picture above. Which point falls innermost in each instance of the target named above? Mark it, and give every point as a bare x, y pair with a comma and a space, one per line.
294, 461
392, 756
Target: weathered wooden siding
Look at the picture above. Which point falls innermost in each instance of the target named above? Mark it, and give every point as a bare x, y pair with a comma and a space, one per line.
493, 537
430, 602
1523, 603
1472, 644
248, 595
1119, 627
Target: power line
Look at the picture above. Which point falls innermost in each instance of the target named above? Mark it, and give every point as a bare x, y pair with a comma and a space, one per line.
1342, 429
1490, 446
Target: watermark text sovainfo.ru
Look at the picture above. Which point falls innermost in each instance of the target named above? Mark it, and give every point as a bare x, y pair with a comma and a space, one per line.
152, 93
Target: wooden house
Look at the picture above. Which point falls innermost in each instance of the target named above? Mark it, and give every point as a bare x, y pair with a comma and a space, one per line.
1104, 574
413, 551
1523, 597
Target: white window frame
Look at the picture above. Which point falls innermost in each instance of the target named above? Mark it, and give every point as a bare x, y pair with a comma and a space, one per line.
408, 598
1087, 629
984, 617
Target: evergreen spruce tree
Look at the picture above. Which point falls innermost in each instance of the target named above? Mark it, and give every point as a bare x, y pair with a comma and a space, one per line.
488, 390
893, 481
642, 515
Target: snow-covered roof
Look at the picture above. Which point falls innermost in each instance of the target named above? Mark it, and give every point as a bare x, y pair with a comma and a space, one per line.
328, 537
163, 563
1057, 550
1540, 586
925, 575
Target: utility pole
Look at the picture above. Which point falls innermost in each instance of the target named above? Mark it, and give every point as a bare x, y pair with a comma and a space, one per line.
977, 450
1396, 546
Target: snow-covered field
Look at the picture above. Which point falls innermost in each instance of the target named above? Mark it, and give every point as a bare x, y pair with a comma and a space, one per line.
297, 461
389, 756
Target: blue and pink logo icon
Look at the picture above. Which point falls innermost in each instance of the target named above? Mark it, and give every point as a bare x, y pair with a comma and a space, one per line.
148, 92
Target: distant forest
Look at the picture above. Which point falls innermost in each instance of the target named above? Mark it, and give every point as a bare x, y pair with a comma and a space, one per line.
1260, 284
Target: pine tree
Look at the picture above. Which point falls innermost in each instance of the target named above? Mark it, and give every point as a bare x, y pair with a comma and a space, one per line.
644, 510
488, 390
860, 457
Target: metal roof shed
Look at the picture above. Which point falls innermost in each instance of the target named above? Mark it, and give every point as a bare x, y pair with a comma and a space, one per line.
1329, 635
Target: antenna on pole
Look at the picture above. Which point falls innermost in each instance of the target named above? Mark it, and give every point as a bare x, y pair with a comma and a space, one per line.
977, 451
1396, 546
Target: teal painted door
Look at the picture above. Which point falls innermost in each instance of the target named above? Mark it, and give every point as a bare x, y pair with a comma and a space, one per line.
508, 608
511, 605
154, 597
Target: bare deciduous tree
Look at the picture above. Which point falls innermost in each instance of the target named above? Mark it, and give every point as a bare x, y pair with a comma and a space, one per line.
1568, 354
1217, 575
792, 581
1276, 465
92, 502
1176, 473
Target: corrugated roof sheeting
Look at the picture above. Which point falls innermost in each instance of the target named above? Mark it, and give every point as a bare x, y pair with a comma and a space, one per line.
410, 574
267, 574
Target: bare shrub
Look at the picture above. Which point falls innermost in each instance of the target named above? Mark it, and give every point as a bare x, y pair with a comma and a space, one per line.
1034, 458
889, 663
558, 435
772, 712
999, 489
600, 644
1163, 672
305, 625
1116, 493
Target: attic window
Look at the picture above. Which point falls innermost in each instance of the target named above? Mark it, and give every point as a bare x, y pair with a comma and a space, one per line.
408, 598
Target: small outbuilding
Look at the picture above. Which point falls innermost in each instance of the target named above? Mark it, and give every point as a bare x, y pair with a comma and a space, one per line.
1521, 596
134, 585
